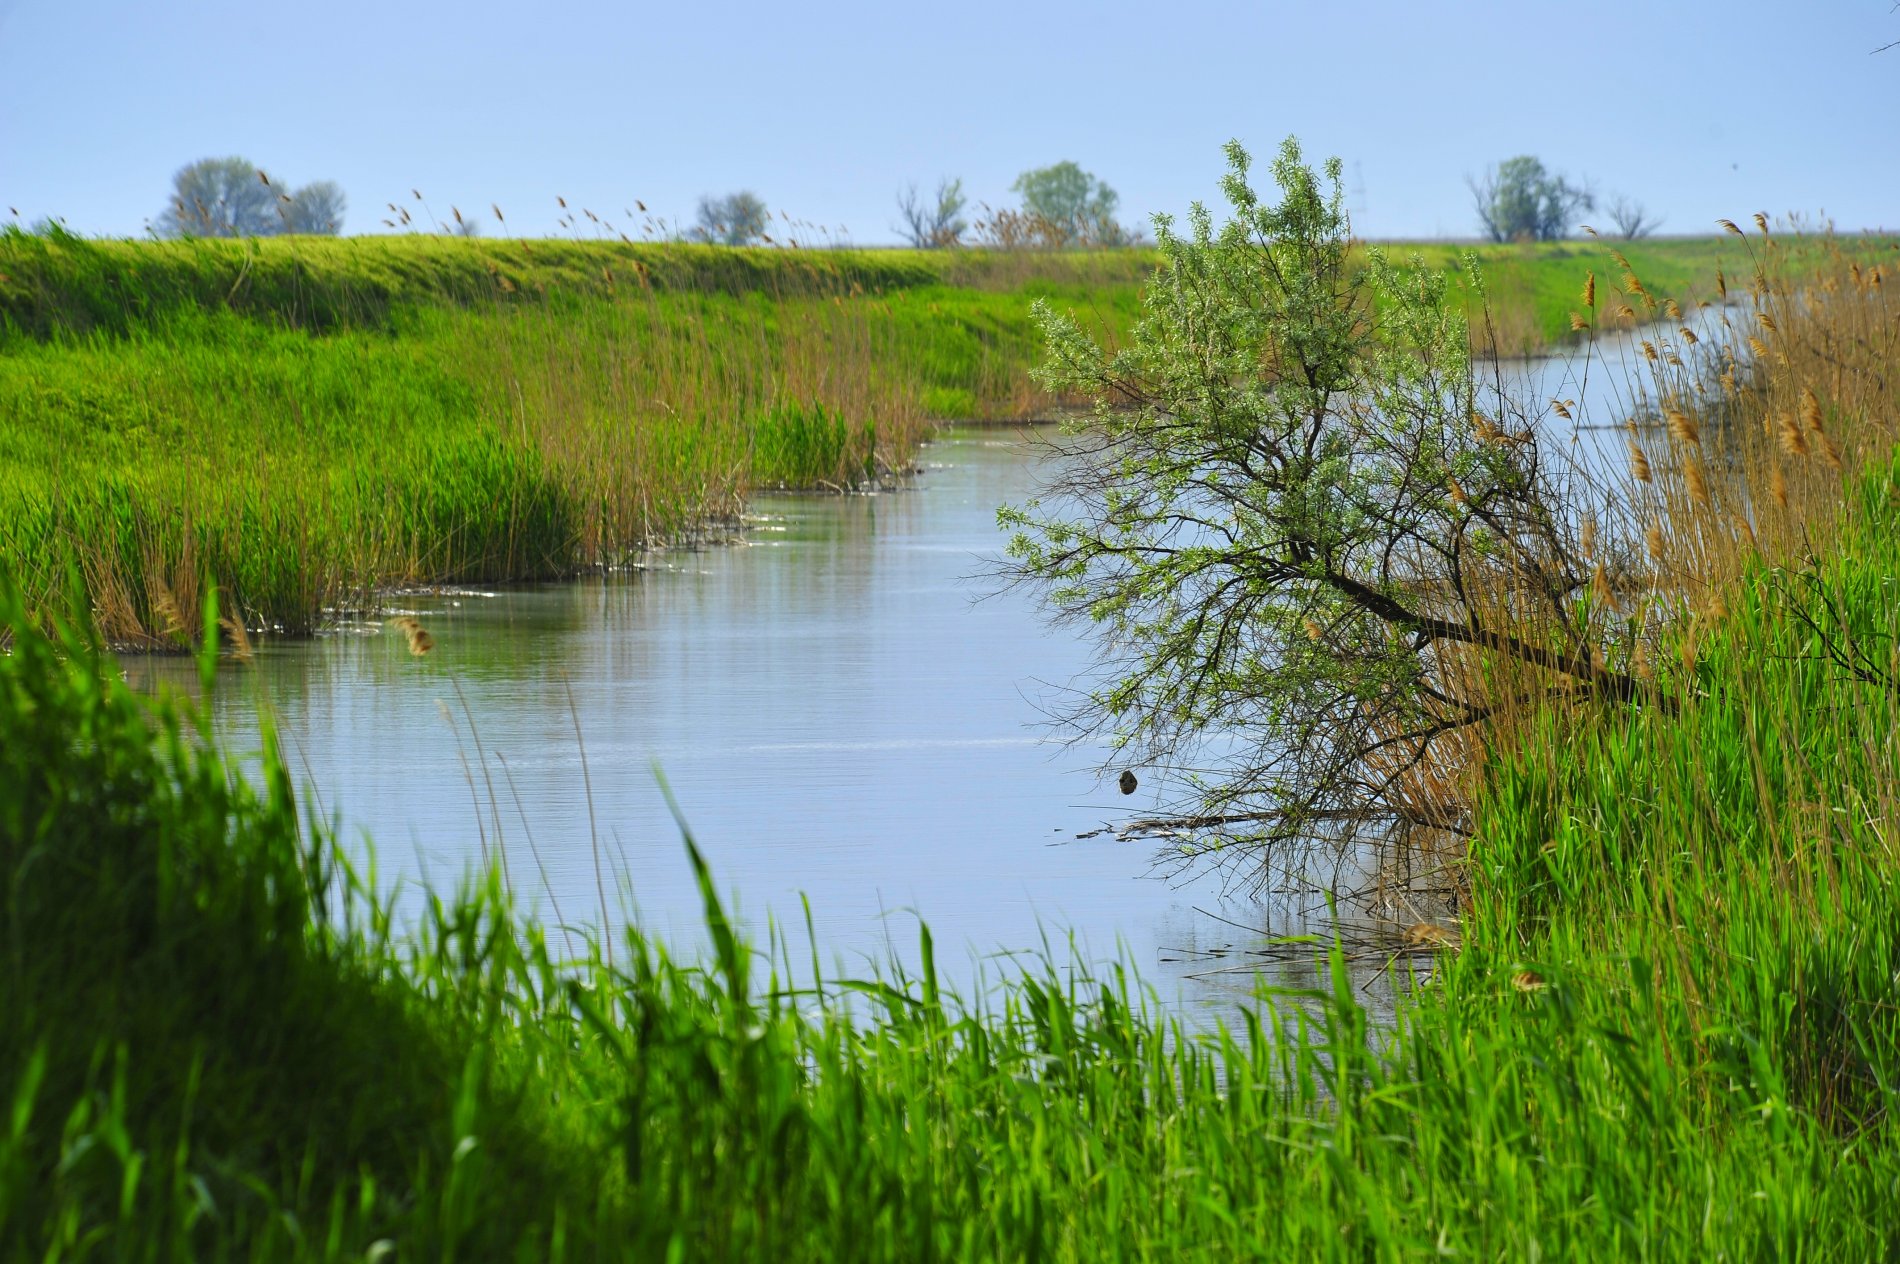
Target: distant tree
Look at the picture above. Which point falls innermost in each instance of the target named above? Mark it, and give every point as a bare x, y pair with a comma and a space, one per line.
934, 226
315, 208
232, 197
220, 197
737, 219
1078, 208
1518, 200
1632, 218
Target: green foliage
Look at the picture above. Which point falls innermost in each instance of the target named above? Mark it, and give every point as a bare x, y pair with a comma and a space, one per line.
306, 418
229, 197
299, 421
1521, 201
737, 219
69, 287
202, 1027
1280, 520
803, 445
316, 208
1076, 204
1669, 1035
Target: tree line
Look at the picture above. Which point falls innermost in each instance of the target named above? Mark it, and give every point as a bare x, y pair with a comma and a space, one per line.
1062, 207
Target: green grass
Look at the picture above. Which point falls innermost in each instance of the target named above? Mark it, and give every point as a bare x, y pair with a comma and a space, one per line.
1672, 1032
1534, 287
297, 422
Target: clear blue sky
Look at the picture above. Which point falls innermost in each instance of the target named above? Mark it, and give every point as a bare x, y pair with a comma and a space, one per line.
827, 110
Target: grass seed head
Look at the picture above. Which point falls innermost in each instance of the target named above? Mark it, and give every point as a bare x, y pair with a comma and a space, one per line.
1639, 464
1794, 439
1682, 428
240, 636
1600, 588
1698, 485
1810, 411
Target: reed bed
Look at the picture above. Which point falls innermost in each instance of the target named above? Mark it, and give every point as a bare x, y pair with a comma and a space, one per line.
1666, 1027
1727, 452
1667, 1032
299, 422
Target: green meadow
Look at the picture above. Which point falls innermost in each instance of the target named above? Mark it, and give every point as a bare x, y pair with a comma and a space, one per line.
299, 422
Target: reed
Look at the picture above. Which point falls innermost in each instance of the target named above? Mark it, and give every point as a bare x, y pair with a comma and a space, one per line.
1663, 1029
299, 422
1735, 456
321, 426
1664, 1025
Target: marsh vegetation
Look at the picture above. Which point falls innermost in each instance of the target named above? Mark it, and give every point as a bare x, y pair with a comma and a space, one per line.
1664, 809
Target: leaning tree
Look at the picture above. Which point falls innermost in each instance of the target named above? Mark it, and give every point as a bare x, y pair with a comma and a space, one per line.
1318, 559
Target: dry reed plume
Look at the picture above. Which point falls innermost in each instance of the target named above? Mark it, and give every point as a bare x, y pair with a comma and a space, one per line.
1757, 456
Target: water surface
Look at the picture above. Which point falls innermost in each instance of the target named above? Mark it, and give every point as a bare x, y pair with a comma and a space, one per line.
846, 710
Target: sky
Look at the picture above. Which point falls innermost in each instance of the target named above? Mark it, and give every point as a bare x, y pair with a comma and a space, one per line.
1695, 110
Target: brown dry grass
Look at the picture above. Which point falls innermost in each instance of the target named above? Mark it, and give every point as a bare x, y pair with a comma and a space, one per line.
1744, 461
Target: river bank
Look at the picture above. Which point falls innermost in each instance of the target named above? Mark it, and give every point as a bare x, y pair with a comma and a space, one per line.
1664, 1027
301, 422
1667, 1031
844, 670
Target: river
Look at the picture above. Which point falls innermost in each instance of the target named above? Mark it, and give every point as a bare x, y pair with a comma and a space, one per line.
846, 709
848, 712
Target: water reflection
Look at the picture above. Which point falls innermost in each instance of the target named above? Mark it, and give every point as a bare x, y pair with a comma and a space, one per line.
842, 713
